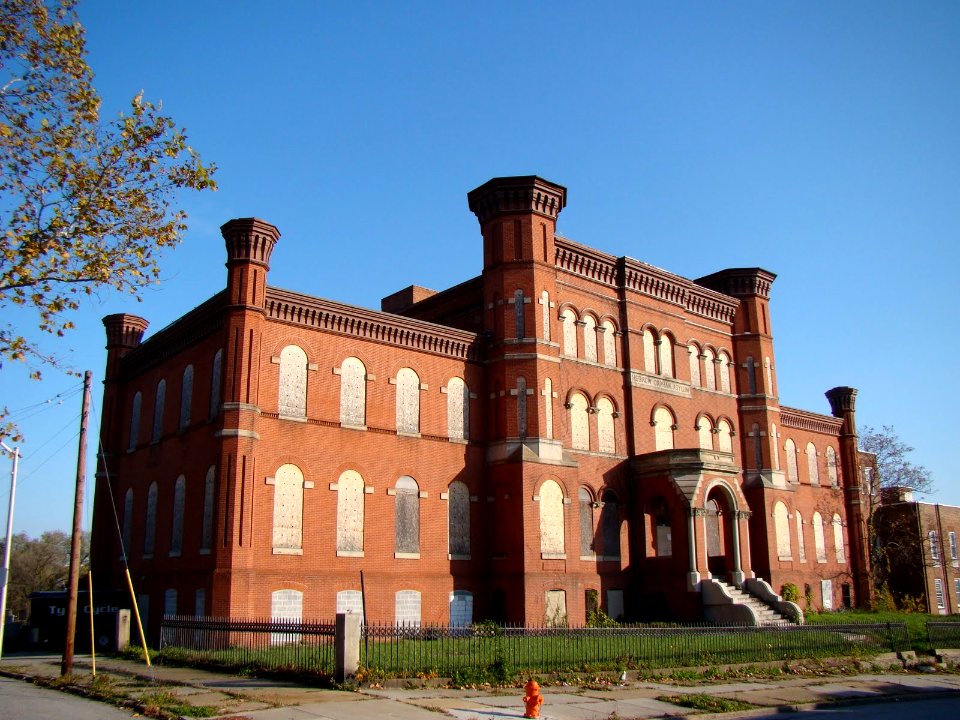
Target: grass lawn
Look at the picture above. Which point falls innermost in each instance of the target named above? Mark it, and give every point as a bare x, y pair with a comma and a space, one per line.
916, 622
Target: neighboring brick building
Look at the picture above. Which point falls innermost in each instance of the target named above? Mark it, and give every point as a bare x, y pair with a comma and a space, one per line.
566, 425
920, 551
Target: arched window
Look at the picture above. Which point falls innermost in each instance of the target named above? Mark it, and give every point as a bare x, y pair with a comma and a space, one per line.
408, 401
551, 519
790, 448
461, 608
723, 370
135, 421
350, 514
206, 535
458, 520
353, 393
725, 436
705, 433
832, 474
150, 526
585, 510
458, 409
661, 528
609, 343
127, 520
589, 338
838, 539
176, 531
649, 352
545, 315
158, 407
694, 353
288, 509
818, 543
407, 517
568, 322
518, 314
663, 423
781, 524
610, 525
215, 374
813, 469
186, 397
665, 352
709, 369
579, 427
407, 608
605, 436
801, 546
293, 382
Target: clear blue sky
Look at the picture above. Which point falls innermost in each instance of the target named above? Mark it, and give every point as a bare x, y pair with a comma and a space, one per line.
818, 140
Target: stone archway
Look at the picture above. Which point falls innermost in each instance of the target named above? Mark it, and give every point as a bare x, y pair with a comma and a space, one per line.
720, 534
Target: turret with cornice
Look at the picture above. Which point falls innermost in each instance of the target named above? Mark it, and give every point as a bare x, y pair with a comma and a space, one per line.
124, 333
250, 242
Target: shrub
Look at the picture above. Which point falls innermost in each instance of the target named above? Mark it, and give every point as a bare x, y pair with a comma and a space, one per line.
790, 592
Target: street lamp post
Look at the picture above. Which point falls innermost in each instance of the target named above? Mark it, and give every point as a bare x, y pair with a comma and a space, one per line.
5, 572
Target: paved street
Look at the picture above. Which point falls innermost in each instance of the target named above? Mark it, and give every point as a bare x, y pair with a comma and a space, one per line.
20, 700
942, 709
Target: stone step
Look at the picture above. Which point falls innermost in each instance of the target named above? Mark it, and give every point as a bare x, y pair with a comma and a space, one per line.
766, 615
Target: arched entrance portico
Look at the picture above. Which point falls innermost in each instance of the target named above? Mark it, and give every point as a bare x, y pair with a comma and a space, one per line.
721, 534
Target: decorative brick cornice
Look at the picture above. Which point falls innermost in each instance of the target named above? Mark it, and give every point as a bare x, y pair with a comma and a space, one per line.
124, 331
740, 282
202, 321
814, 422
523, 194
645, 279
385, 328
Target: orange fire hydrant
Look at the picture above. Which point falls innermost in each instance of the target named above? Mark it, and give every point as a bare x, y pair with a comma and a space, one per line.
533, 699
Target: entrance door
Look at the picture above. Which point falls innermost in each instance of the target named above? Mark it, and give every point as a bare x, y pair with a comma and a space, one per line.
716, 558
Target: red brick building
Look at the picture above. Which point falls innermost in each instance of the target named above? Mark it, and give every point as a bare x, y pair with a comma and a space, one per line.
567, 425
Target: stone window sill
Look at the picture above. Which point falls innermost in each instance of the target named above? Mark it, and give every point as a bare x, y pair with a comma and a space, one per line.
350, 553
553, 556
458, 557
287, 551
407, 556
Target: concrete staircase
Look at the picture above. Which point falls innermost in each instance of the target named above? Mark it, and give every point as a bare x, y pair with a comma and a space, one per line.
766, 615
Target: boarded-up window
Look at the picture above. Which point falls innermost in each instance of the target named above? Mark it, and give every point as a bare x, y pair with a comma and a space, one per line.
781, 524
215, 375
813, 470
186, 397
353, 393
801, 546
350, 601
293, 382
723, 370
518, 314
200, 602
725, 436
790, 448
458, 519
170, 601
150, 526
589, 338
605, 435
176, 531
585, 509
579, 426
610, 525
458, 409
660, 528
818, 543
832, 474
709, 369
286, 605
838, 539
615, 604
694, 354
158, 407
665, 351
288, 508
555, 608
461, 608
135, 421
569, 333
551, 519
127, 519
609, 344
407, 533
350, 512
649, 352
663, 428
408, 401
206, 535
407, 608
705, 433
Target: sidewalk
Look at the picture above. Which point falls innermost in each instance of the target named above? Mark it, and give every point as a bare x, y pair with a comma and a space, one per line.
238, 697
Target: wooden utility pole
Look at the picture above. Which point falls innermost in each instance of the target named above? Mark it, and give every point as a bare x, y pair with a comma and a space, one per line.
66, 666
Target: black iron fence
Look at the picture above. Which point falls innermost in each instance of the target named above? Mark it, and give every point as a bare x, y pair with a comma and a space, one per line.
261, 644
410, 651
944, 635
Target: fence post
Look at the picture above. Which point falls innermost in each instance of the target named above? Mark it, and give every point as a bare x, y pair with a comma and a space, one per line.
347, 643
